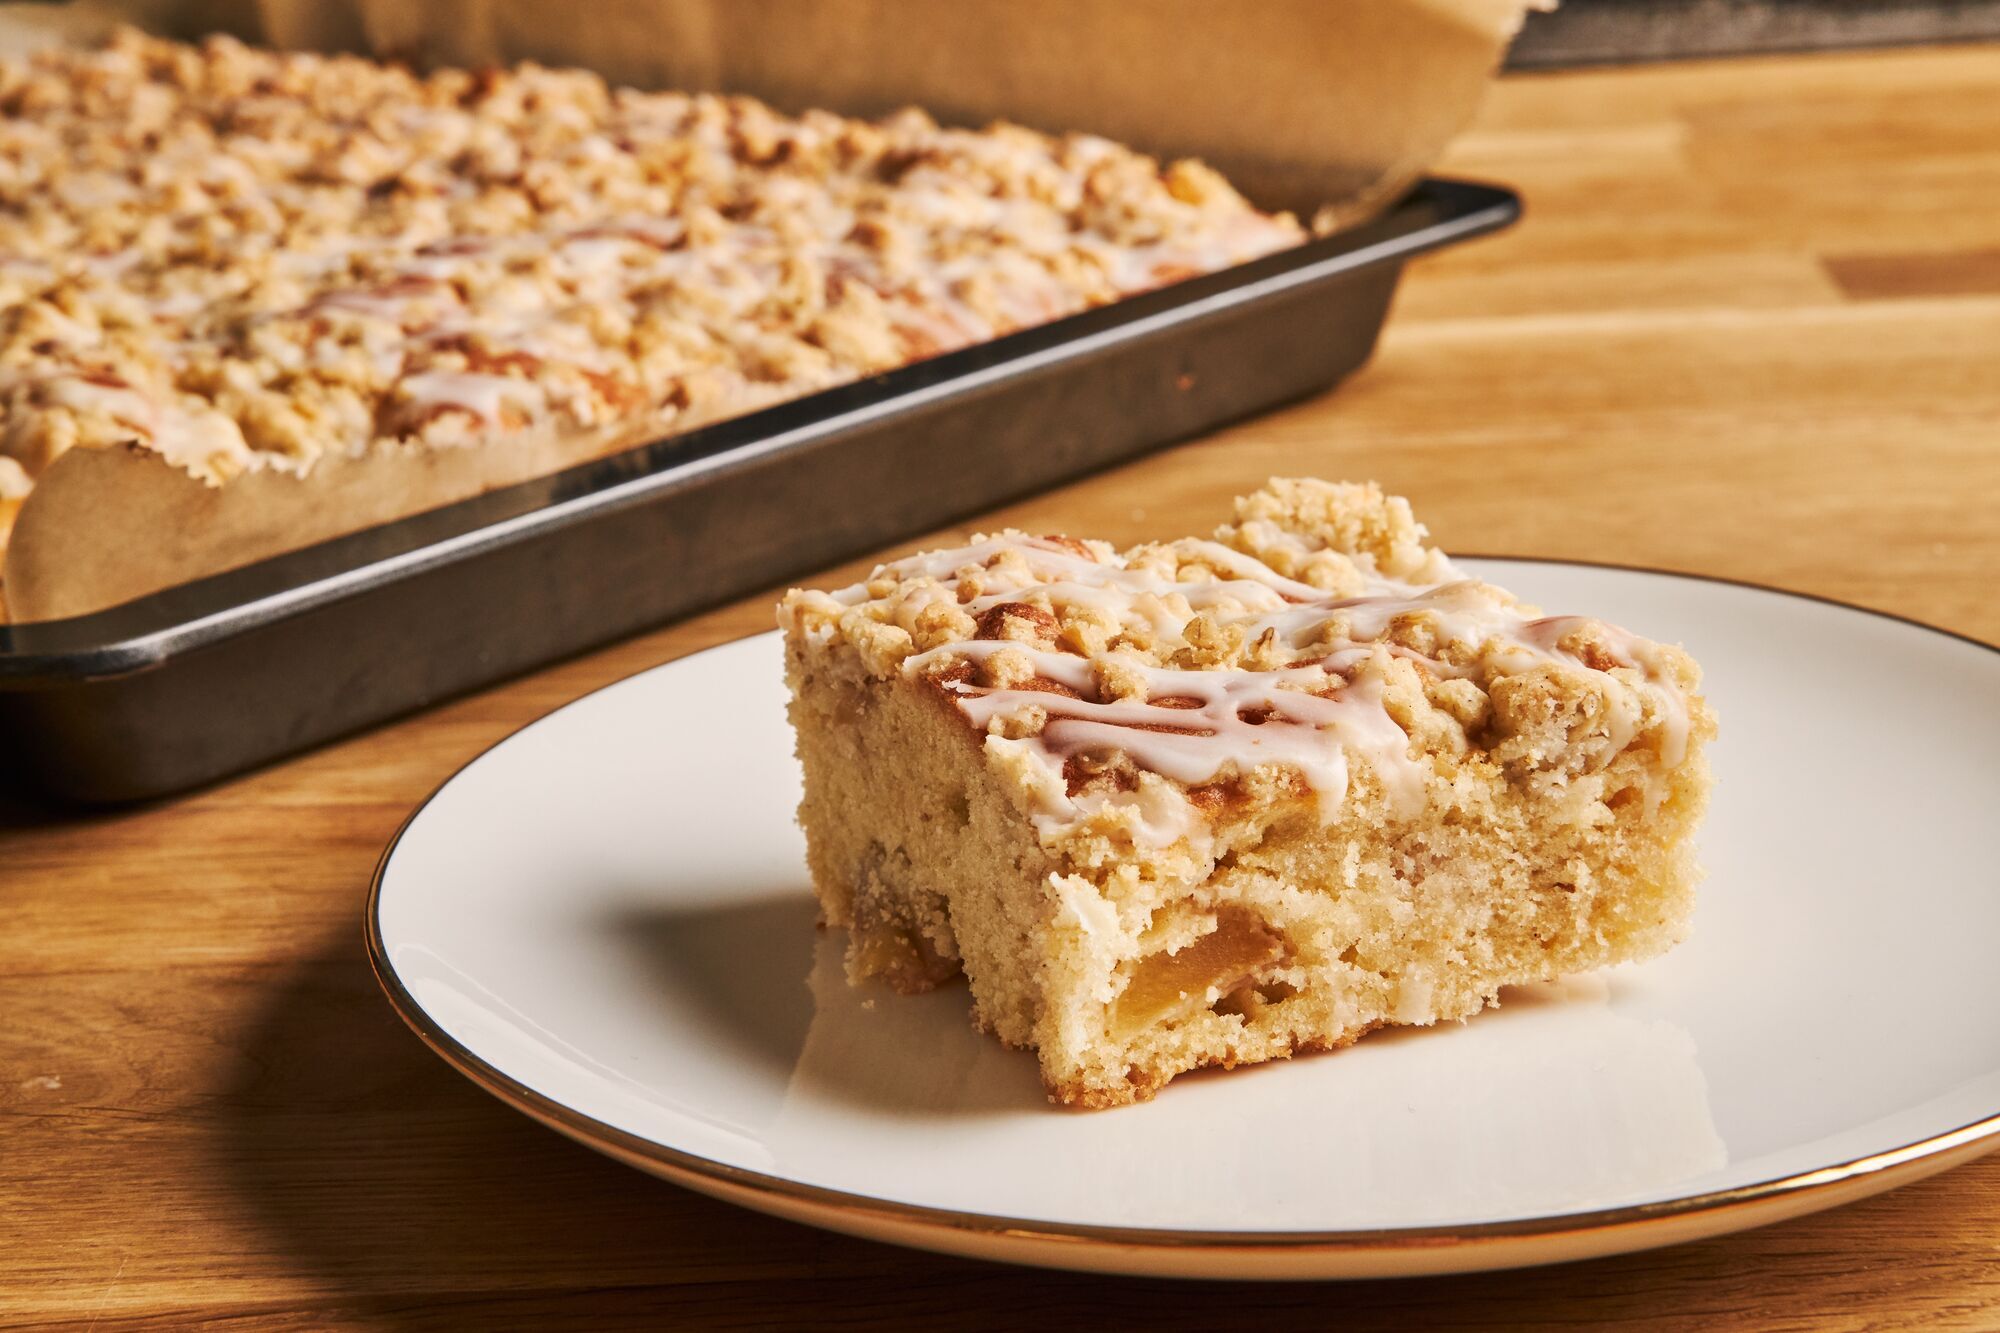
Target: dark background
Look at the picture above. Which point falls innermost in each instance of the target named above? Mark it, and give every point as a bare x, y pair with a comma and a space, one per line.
1586, 32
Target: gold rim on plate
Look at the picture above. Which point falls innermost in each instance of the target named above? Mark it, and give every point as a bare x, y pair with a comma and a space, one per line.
1168, 1252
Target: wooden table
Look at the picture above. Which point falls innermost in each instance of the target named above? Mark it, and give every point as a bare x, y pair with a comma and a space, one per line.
1751, 326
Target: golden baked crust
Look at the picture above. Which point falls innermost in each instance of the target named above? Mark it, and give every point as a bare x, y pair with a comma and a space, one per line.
1211, 802
251, 260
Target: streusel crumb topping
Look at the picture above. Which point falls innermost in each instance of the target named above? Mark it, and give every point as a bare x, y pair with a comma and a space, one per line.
247, 259
1316, 635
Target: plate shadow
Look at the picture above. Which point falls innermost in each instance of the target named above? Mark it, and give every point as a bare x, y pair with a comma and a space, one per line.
759, 976
738, 968
416, 1200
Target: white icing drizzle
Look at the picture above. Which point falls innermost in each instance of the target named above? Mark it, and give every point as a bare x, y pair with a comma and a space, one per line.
120, 401
1218, 720
393, 308
485, 396
1043, 557
196, 440
1315, 717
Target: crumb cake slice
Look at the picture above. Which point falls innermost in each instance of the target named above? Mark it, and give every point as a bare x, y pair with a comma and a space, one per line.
1217, 802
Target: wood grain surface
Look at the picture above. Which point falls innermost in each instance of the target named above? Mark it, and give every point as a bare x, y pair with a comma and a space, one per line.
1750, 327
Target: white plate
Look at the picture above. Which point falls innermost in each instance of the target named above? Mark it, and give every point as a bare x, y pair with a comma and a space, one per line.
605, 920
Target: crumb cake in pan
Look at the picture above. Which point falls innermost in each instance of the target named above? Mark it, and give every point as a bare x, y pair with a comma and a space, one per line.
235, 261
1218, 802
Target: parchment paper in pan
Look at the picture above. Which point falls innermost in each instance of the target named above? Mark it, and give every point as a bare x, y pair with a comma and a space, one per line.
1302, 103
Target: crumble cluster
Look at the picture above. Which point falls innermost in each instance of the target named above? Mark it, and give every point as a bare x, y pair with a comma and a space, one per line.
247, 259
1316, 585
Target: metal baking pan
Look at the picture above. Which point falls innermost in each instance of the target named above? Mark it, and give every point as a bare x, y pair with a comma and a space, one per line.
203, 680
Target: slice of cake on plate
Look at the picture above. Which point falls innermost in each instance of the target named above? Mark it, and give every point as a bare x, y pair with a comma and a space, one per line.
1217, 802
